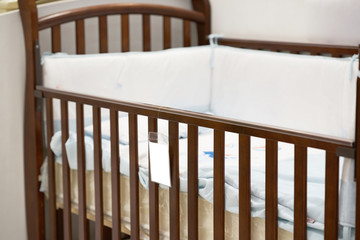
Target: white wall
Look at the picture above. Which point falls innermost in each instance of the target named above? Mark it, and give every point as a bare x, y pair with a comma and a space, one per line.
12, 85
322, 21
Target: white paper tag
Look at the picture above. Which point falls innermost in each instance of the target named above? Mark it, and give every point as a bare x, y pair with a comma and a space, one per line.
160, 163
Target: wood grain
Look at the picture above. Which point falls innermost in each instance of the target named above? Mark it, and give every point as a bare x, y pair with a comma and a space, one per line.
146, 32
134, 179
167, 32
331, 196
65, 170
271, 195
219, 184
51, 169
125, 36
82, 224
300, 193
115, 175
80, 36
244, 187
153, 192
99, 211
175, 184
193, 146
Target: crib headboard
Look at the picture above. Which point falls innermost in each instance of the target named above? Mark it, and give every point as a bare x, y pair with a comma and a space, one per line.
33, 134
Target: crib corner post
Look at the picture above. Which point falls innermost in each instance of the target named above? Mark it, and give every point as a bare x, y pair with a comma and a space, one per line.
357, 156
33, 152
204, 30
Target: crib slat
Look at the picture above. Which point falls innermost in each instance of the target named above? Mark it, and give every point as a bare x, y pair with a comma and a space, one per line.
193, 144
115, 175
51, 169
134, 180
146, 32
244, 188
175, 186
187, 33
331, 196
125, 33
80, 36
56, 39
82, 227
300, 200
219, 184
99, 212
103, 34
153, 193
167, 32
66, 170
271, 185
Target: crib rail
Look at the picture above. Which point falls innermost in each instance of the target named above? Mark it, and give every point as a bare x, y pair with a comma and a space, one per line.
272, 135
296, 48
54, 21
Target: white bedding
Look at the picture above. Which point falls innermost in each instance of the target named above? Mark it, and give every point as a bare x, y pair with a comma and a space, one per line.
316, 174
313, 94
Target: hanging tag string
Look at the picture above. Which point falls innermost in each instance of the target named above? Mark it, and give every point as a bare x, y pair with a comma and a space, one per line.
353, 59
213, 41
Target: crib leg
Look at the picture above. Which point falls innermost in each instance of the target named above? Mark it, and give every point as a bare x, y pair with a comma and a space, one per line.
59, 224
107, 232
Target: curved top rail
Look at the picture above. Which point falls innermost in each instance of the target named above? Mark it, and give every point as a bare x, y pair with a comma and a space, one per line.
118, 8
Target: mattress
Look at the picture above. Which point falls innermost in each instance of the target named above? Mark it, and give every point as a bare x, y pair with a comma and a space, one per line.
316, 173
205, 209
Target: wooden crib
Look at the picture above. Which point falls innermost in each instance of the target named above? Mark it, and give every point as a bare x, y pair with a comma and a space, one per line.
38, 102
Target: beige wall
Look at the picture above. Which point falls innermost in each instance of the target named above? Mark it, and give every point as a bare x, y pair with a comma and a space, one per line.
323, 21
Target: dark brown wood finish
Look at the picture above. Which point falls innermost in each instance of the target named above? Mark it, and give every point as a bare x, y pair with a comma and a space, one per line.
66, 170
315, 49
187, 33
300, 192
219, 184
193, 146
33, 152
80, 36
125, 36
121, 8
56, 38
167, 32
115, 175
99, 211
204, 29
271, 198
103, 34
331, 196
134, 180
357, 157
244, 187
146, 33
175, 183
153, 193
51, 170
82, 224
